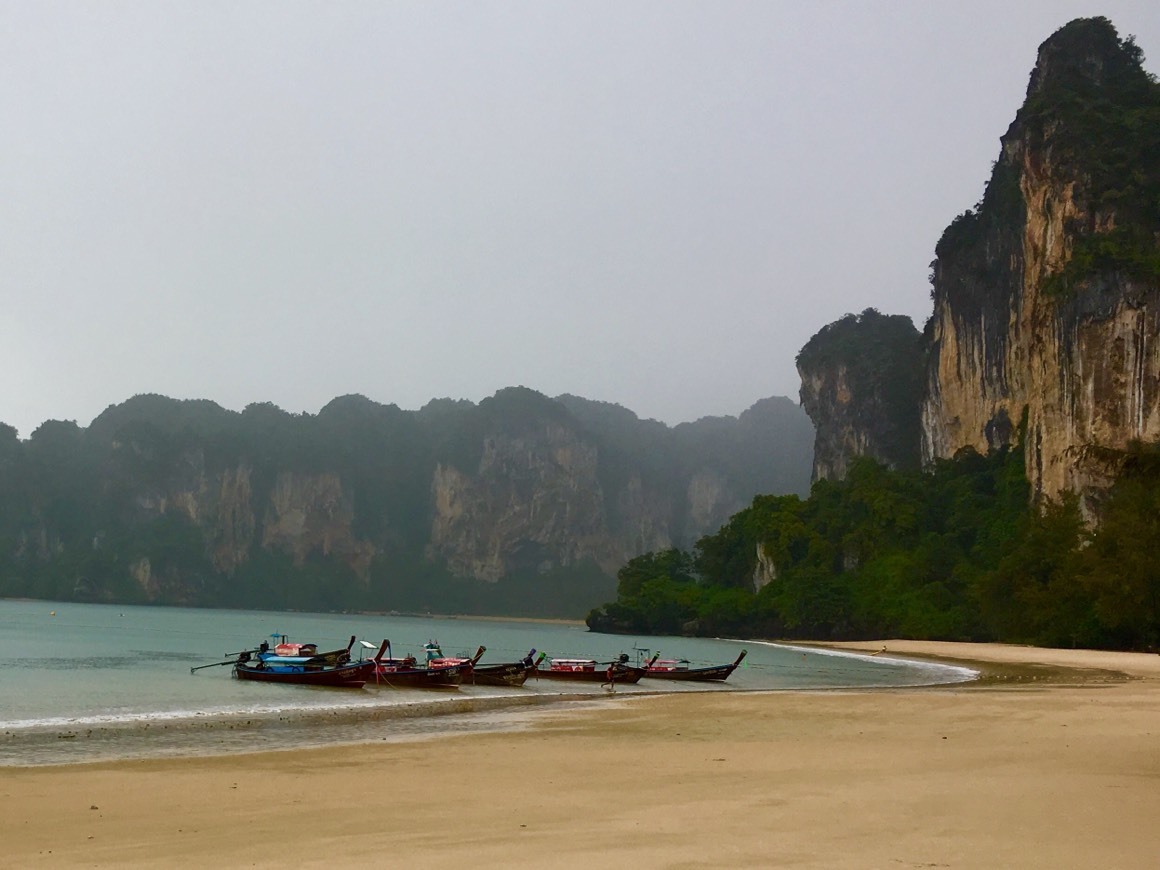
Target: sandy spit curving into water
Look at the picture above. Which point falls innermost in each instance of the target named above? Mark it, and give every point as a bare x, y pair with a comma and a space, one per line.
1051, 761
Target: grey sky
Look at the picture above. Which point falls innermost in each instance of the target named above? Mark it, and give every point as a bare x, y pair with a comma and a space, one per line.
649, 203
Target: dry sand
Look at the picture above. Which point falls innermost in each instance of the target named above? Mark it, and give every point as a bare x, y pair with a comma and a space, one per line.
1051, 761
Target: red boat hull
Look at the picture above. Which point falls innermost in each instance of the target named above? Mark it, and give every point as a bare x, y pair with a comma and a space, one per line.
444, 677
353, 676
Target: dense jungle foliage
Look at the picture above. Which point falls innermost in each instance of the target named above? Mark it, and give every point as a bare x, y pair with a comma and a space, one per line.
954, 553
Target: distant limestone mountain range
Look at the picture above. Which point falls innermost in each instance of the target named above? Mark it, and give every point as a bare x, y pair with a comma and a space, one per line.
1046, 316
520, 504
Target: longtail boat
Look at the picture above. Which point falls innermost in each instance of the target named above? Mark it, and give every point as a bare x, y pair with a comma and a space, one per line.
590, 670
409, 672
506, 673
301, 664
678, 669
353, 675
433, 653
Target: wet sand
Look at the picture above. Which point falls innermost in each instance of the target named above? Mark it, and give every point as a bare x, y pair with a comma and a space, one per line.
1053, 760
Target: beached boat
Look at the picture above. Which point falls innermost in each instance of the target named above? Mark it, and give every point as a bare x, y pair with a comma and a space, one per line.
301, 664
678, 669
505, 673
352, 675
433, 653
590, 670
497, 674
411, 673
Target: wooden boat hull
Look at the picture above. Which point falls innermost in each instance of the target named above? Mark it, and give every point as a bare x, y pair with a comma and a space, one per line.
352, 676
466, 667
621, 674
416, 678
509, 674
435, 659
718, 673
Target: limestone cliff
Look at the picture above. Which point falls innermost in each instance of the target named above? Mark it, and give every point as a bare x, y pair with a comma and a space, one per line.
559, 482
520, 504
314, 514
303, 515
1047, 294
861, 385
533, 502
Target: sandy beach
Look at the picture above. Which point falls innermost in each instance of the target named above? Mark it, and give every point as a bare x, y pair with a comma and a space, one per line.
1052, 760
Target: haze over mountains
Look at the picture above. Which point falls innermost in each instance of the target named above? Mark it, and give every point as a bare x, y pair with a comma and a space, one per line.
521, 504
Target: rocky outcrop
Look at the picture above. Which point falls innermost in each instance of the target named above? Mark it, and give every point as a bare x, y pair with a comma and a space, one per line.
645, 517
1046, 320
1046, 295
368, 506
765, 568
861, 386
534, 502
710, 503
232, 533
312, 514
540, 500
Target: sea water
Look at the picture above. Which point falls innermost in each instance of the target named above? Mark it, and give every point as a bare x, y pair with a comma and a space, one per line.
87, 682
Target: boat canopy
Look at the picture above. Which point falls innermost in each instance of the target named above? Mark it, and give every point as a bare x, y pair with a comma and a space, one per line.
296, 649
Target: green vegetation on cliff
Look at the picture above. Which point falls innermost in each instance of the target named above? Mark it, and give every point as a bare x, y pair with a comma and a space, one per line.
1092, 120
862, 382
521, 505
955, 553
1098, 111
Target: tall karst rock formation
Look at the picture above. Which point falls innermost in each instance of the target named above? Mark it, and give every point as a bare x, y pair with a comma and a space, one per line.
862, 385
1047, 295
1046, 318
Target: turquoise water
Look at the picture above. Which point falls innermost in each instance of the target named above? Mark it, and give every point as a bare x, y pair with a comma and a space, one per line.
86, 682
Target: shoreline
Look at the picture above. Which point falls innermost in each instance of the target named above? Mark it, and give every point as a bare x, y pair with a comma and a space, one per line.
1061, 769
359, 718
991, 656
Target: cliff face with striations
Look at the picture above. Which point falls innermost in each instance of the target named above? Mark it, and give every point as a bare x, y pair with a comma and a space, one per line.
1046, 320
520, 504
533, 502
1046, 296
861, 385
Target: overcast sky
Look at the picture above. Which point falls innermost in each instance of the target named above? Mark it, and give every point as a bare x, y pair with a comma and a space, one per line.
648, 203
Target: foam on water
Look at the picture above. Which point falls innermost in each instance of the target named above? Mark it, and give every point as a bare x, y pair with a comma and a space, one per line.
925, 673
